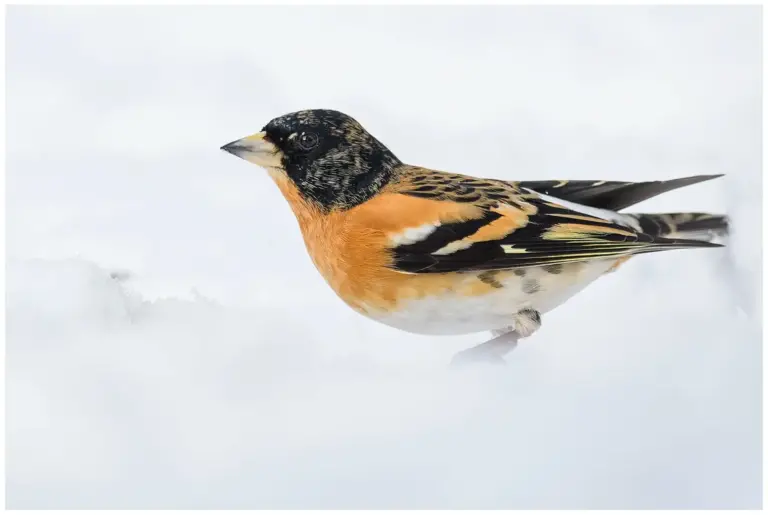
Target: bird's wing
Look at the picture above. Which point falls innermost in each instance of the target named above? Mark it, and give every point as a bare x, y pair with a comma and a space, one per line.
613, 195
510, 227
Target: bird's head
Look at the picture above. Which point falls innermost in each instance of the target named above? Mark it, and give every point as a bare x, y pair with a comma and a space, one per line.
330, 158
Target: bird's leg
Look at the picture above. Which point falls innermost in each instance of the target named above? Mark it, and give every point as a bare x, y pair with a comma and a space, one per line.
492, 351
505, 340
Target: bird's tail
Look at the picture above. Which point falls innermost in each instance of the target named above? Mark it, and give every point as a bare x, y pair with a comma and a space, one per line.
686, 226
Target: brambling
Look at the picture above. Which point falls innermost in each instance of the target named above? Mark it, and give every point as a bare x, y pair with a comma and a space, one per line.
440, 253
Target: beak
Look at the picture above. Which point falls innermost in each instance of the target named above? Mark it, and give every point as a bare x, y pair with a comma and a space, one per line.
256, 149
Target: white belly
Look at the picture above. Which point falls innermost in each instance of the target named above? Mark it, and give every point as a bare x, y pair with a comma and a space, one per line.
453, 313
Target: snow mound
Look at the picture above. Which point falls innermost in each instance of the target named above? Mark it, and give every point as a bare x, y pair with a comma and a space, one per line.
115, 401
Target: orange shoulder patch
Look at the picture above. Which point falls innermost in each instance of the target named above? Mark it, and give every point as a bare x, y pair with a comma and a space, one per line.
391, 212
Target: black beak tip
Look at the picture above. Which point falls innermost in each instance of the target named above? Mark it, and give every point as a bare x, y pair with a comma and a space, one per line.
230, 147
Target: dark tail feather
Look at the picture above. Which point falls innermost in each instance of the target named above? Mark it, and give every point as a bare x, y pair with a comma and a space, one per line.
609, 194
687, 226
637, 192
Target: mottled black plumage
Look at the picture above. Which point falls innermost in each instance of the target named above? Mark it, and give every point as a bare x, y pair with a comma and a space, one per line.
330, 157
454, 187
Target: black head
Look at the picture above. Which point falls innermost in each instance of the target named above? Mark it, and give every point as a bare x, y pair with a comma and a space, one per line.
330, 157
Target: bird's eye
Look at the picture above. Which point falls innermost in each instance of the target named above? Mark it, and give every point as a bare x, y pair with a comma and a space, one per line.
307, 140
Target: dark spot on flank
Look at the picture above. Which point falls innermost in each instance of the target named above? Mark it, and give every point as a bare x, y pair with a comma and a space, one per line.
489, 277
554, 269
520, 272
531, 286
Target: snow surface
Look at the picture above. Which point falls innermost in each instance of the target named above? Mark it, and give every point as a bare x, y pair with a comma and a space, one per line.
217, 369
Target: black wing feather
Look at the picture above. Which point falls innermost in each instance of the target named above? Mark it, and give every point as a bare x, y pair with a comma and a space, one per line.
530, 245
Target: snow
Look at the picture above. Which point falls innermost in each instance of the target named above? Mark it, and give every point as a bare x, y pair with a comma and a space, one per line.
216, 369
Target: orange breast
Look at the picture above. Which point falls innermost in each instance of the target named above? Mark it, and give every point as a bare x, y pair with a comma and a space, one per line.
349, 248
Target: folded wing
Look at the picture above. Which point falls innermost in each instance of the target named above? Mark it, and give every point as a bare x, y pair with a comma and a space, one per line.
518, 227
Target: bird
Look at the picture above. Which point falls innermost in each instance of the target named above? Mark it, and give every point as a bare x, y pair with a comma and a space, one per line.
441, 253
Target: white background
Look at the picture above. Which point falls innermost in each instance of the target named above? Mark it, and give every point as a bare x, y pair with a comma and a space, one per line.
224, 373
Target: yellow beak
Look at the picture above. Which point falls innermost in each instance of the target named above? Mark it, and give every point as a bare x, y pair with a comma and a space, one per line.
256, 149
